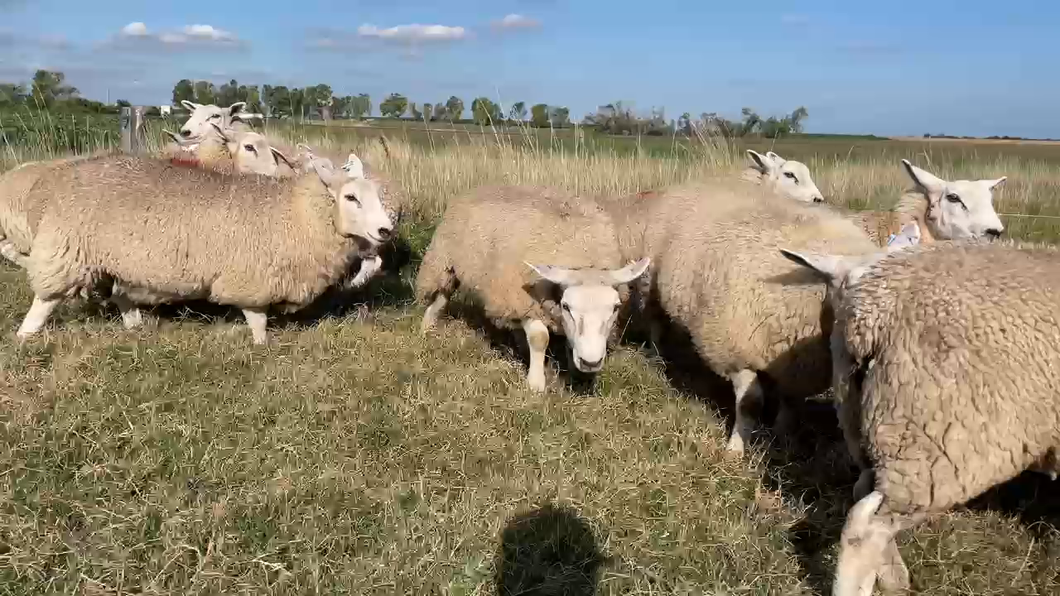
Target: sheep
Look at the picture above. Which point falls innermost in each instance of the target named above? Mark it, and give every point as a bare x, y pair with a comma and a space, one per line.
945, 373
162, 234
717, 274
197, 126
491, 239
228, 150
789, 177
945, 210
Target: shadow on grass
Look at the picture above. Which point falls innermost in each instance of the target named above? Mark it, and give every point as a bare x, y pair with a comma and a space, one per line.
549, 551
811, 465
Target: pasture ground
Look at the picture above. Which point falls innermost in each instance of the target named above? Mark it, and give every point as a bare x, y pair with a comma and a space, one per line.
354, 456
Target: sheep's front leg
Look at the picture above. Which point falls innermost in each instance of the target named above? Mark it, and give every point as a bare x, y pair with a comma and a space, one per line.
868, 550
537, 339
37, 316
131, 317
430, 317
369, 267
256, 319
9, 252
748, 390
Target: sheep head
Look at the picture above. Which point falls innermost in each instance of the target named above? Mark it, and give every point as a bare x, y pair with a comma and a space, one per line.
958, 209
358, 202
788, 177
590, 303
197, 126
252, 152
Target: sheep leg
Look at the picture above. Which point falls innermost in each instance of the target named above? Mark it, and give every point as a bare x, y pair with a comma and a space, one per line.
38, 314
430, 318
131, 317
868, 550
745, 385
256, 319
537, 339
369, 267
9, 252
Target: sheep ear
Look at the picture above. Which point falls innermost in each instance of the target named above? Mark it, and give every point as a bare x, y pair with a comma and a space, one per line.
630, 272
993, 184
556, 275
830, 268
331, 179
353, 167
776, 158
925, 180
236, 108
281, 157
761, 162
190, 105
224, 136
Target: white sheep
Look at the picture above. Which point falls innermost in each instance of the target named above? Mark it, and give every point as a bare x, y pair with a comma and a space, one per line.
490, 241
787, 176
167, 233
944, 209
946, 372
197, 126
228, 150
717, 273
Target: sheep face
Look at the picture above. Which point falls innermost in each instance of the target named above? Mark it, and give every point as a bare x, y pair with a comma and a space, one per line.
359, 204
590, 303
787, 177
959, 209
202, 116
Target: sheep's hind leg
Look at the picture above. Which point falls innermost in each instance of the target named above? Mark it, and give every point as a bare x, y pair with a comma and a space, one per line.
9, 252
256, 320
131, 317
745, 385
430, 317
37, 316
537, 339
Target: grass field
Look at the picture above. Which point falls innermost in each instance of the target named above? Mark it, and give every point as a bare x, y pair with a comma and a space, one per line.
354, 456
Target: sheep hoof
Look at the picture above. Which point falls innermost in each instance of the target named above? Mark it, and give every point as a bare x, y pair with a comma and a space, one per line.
536, 382
735, 445
893, 577
132, 319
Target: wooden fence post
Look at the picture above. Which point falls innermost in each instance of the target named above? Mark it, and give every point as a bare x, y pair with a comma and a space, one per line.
132, 129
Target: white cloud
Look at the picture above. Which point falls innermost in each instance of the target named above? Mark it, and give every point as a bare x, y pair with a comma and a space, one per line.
191, 35
516, 21
414, 33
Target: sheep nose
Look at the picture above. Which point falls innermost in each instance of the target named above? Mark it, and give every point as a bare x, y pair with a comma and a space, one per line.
818, 199
595, 365
384, 233
185, 133
994, 233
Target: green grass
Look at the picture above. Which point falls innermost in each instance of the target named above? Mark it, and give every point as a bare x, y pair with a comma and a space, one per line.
354, 456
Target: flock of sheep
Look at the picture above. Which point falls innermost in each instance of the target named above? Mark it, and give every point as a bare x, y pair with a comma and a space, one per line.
940, 340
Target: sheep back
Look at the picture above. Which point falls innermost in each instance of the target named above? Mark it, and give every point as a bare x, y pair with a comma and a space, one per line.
959, 345
485, 237
186, 233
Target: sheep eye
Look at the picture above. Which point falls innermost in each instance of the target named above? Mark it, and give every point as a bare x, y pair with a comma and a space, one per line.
953, 198
566, 307
792, 176
353, 199
250, 148
215, 116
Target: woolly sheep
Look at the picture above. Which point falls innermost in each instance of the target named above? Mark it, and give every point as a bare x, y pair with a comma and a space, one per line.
490, 240
228, 150
197, 126
945, 371
162, 234
788, 177
945, 210
717, 273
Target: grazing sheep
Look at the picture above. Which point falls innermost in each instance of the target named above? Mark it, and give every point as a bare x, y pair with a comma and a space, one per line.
717, 273
945, 210
162, 234
788, 177
947, 376
488, 242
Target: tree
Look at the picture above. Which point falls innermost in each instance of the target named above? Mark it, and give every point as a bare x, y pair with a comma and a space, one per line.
205, 92
184, 90
49, 87
439, 111
539, 115
427, 111
751, 121
518, 111
394, 105
361, 106
415, 113
797, 117
123, 103
485, 112
252, 96
12, 94
560, 117
228, 94
454, 108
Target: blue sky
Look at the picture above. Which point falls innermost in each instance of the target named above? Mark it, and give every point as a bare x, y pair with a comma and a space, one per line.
900, 67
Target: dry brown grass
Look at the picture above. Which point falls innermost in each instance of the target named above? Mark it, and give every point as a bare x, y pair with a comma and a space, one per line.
354, 456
